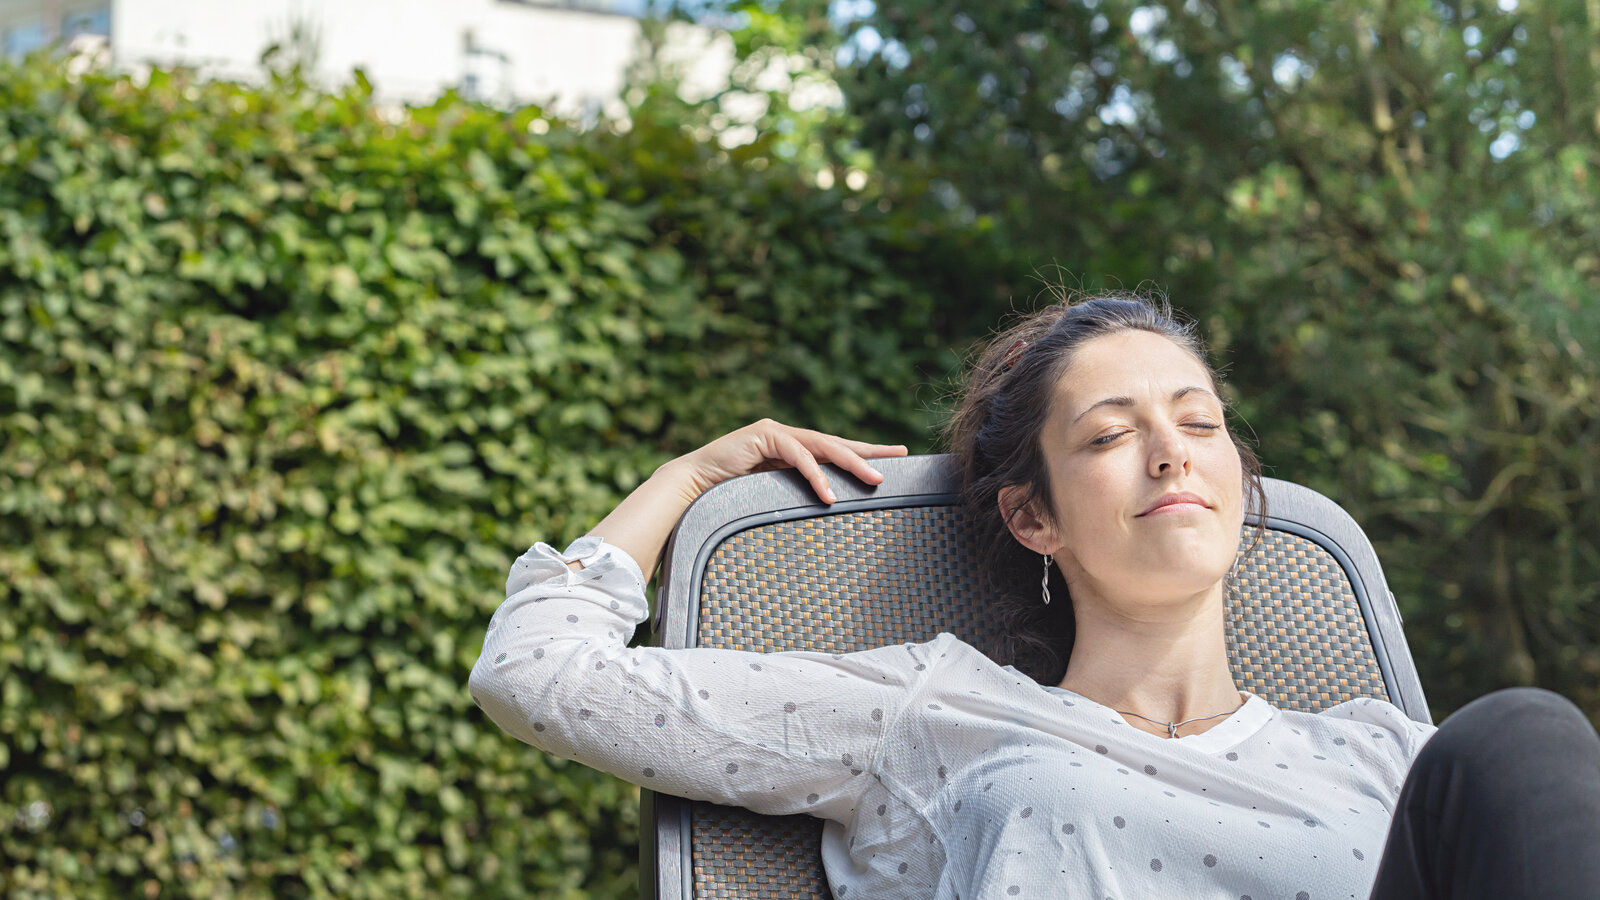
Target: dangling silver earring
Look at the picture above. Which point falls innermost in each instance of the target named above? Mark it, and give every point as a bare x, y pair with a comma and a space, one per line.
1045, 582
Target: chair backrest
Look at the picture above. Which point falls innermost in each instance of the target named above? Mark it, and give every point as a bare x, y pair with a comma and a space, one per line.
758, 564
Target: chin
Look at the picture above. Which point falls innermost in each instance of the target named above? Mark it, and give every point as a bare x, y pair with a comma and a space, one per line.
1194, 560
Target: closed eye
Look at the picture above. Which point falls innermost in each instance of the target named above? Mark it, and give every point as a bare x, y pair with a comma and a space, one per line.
1108, 438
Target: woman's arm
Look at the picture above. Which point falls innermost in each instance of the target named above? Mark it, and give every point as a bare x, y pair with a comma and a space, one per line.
779, 733
641, 523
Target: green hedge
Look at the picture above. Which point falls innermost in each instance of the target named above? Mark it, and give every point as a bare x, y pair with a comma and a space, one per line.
287, 379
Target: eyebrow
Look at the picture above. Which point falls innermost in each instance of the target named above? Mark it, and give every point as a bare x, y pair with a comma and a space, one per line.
1177, 395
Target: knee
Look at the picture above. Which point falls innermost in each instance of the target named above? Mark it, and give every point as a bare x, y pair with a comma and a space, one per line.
1509, 759
1513, 726
1527, 710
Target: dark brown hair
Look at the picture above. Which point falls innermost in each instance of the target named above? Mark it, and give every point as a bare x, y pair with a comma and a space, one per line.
995, 436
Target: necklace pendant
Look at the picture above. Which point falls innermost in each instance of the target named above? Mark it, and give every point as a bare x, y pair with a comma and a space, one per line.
1172, 730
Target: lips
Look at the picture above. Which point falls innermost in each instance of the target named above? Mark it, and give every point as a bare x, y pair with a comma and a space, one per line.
1183, 499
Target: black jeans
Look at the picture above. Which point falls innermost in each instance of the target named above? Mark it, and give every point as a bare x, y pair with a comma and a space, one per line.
1503, 802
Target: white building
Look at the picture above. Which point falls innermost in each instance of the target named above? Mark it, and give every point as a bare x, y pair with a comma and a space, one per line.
571, 56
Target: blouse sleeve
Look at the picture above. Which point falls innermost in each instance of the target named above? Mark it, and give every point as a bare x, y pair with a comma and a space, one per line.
777, 733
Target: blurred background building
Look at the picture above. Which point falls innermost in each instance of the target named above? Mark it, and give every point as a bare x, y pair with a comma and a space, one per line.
570, 55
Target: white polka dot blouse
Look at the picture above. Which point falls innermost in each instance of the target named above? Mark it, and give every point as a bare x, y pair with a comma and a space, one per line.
939, 773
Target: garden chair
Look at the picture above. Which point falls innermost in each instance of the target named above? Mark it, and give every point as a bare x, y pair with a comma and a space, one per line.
757, 563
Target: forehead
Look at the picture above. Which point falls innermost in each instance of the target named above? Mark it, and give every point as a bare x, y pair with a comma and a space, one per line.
1133, 364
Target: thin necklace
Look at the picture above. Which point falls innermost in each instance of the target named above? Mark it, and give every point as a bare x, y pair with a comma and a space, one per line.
1172, 727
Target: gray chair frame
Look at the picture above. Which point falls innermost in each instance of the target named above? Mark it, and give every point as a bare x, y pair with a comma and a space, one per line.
915, 481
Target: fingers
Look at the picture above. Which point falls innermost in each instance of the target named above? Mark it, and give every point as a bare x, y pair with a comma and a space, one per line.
848, 458
849, 455
768, 444
873, 451
792, 451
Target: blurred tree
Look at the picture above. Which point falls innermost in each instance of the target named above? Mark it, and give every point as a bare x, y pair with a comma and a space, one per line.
1382, 214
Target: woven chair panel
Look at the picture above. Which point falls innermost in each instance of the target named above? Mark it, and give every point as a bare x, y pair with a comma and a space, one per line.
739, 855
841, 583
1295, 632
859, 580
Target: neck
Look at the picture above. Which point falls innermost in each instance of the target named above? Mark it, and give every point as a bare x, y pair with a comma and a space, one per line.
1167, 662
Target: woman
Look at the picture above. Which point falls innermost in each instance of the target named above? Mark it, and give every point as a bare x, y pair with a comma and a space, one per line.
1094, 446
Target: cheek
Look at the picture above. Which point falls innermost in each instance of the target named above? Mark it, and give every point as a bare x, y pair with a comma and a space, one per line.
1233, 466
1087, 510
1230, 480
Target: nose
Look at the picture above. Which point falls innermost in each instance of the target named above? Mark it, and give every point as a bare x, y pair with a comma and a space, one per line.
1168, 451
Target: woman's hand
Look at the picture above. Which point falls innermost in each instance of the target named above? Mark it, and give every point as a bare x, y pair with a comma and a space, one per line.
641, 523
767, 445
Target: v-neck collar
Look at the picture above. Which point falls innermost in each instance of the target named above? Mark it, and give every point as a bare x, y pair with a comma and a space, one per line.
1248, 719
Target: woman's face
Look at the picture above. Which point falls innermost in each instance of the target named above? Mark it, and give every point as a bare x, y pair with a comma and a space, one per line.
1146, 483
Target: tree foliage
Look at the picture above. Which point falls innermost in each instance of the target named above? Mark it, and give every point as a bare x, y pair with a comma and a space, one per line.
1383, 215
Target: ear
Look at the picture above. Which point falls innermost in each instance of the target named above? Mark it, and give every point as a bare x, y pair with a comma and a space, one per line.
1027, 527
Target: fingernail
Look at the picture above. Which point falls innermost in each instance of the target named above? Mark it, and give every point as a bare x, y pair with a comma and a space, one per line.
827, 497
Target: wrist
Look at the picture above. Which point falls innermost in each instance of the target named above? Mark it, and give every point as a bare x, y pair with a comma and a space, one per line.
682, 477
